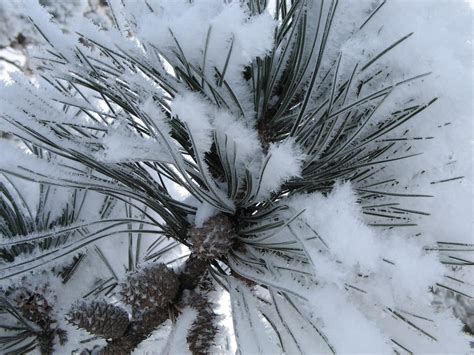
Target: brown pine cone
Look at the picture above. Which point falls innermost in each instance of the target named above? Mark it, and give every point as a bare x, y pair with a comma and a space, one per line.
35, 307
100, 318
214, 238
151, 288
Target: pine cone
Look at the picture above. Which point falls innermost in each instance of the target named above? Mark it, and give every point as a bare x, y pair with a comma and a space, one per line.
152, 288
136, 333
34, 306
214, 238
100, 318
201, 335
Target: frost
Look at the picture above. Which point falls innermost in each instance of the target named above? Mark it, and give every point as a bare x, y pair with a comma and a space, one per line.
354, 247
165, 106
14, 21
203, 213
197, 114
339, 222
349, 329
42, 18
122, 145
249, 328
237, 133
176, 339
284, 162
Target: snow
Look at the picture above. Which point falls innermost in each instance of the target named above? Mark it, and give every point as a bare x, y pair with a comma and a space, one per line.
284, 162
398, 271
203, 213
122, 145
347, 328
356, 273
176, 339
237, 133
227, 23
249, 329
339, 221
197, 114
358, 248
441, 44
202, 119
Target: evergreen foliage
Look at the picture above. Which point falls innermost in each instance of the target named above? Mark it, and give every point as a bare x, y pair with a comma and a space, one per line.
287, 150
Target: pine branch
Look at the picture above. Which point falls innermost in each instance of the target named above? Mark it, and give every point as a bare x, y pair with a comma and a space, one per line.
156, 292
33, 314
126, 114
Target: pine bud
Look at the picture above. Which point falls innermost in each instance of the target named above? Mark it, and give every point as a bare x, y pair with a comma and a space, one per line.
214, 238
100, 318
151, 288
